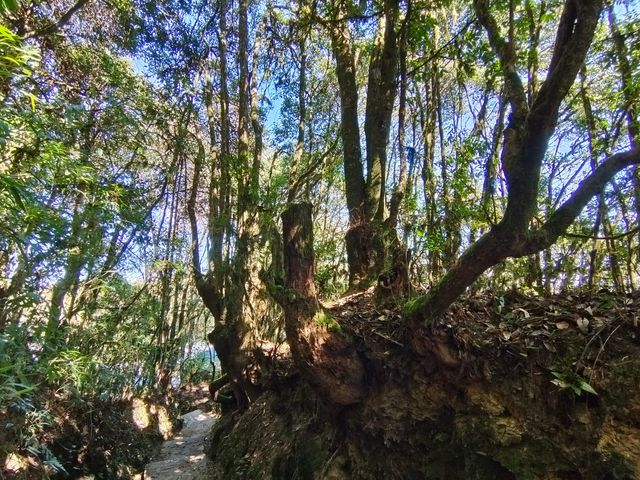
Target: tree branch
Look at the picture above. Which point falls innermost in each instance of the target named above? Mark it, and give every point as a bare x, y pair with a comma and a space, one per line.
620, 236
502, 242
506, 53
573, 39
303, 177
191, 210
64, 19
564, 216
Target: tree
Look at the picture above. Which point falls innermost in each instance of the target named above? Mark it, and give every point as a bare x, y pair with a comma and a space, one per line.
368, 242
525, 142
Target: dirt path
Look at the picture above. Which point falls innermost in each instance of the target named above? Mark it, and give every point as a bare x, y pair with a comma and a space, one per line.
183, 456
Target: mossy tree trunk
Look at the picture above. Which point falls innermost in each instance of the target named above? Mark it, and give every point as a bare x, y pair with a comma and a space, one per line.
223, 286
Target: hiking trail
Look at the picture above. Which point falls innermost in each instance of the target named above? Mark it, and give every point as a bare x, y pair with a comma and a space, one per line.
182, 457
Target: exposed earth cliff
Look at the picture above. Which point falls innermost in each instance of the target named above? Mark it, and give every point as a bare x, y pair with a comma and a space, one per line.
503, 386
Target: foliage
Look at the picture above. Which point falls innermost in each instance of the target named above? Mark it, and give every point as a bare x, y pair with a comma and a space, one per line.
16, 369
571, 381
15, 57
326, 320
195, 370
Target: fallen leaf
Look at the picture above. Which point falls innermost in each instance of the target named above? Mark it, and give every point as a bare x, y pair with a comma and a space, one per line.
583, 325
562, 325
537, 333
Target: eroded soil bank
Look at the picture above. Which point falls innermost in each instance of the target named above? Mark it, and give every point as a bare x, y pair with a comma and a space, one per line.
503, 387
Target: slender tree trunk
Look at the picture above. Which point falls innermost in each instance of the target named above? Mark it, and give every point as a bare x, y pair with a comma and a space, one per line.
631, 95
75, 263
359, 233
298, 152
428, 119
402, 185
602, 216
491, 167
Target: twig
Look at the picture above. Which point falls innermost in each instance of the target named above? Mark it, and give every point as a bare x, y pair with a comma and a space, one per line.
633, 231
605, 343
328, 462
388, 338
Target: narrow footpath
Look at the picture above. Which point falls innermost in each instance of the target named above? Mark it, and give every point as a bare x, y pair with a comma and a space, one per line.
182, 457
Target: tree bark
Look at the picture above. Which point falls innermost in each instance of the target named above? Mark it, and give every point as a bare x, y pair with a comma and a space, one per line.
381, 94
356, 238
318, 346
402, 184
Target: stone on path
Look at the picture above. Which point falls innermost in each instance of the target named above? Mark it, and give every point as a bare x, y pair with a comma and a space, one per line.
182, 457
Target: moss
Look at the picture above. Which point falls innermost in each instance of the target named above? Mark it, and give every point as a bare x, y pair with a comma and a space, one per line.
413, 306
503, 441
321, 318
446, 456
626, 376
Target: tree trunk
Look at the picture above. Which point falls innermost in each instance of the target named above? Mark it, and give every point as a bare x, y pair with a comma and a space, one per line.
319, 348
358, 256
381, 94
403, 180
631, 95
367, 239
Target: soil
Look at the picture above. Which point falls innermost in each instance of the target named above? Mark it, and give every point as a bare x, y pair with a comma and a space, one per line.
503, 386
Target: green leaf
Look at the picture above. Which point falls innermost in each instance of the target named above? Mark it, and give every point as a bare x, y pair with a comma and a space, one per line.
586, 387
9, 5
560, 383
14, 189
